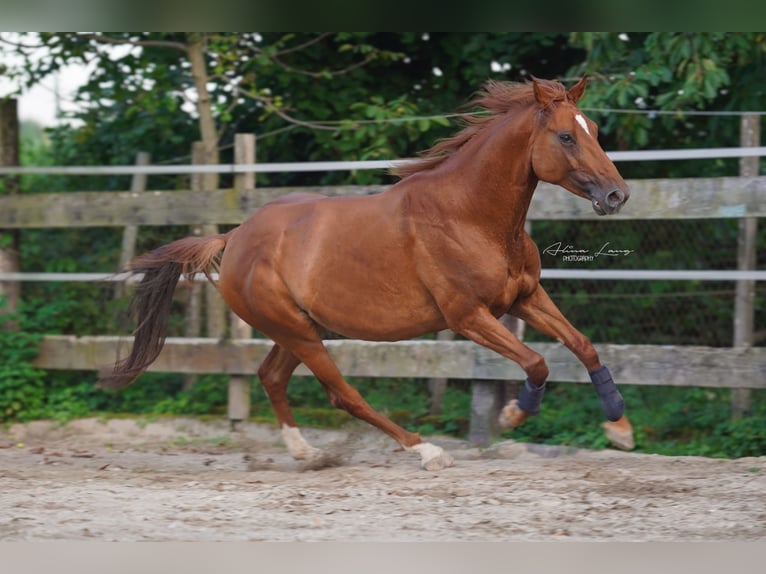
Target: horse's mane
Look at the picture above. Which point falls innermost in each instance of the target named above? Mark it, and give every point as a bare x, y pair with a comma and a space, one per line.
493, 101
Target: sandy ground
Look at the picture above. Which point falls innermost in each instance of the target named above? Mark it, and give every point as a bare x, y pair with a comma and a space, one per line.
186, 480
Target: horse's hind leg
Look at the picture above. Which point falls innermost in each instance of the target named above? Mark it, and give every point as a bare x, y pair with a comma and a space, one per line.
274, 374
313, 354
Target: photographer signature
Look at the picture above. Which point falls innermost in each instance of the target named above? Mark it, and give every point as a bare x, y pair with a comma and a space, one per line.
570, 251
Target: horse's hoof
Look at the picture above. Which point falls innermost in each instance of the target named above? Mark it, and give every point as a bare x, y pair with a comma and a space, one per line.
620, 433
432, 457
297, 446
512, 415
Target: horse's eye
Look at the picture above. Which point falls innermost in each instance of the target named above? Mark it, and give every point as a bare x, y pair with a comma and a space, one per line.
566, 139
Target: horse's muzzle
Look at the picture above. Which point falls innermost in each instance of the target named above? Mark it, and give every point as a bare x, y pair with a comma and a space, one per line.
610, 202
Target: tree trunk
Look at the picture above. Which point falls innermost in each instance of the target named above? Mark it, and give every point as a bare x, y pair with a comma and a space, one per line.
130, 232
208, 133
215, 317
10, 291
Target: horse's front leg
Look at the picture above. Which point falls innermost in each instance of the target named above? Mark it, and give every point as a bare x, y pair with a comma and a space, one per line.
482, 327
539, 311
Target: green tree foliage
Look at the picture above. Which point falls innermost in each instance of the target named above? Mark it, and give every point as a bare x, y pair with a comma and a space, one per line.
310, 96
666, 75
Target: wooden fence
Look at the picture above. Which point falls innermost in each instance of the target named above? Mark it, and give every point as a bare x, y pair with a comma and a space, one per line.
740, 366
725, 197
668, 365
690, 198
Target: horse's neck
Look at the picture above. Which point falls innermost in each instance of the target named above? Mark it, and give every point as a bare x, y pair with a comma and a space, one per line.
492, 179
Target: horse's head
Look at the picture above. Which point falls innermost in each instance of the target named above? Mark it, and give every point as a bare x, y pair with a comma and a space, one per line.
566, 152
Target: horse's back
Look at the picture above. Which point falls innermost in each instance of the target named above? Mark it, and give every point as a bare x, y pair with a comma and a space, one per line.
295, 198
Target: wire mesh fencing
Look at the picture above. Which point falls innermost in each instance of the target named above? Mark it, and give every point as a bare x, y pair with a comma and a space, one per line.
663, 312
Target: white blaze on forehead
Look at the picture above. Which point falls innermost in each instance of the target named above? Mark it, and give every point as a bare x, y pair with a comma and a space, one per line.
583, 124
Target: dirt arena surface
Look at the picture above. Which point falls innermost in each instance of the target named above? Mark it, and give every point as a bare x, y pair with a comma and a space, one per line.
187, 480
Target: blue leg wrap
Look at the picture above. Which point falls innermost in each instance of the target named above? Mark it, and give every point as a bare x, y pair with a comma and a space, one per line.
530, 398
611, 399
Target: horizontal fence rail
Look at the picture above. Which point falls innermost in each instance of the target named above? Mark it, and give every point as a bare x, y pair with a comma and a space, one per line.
282, 167
595, 274
654, 274
630, 364
685, 198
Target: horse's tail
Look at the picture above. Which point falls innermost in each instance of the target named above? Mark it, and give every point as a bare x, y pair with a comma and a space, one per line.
153, 297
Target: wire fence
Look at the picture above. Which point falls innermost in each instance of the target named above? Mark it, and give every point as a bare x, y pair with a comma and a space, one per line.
319, 166
687, 297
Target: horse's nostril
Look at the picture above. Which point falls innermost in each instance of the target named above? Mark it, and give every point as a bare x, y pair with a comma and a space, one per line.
615, 197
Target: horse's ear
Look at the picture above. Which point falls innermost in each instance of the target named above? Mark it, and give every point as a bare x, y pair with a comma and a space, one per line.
576, 91
544, 93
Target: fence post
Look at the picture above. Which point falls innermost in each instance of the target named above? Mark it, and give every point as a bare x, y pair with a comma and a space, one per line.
215, 308
744, 302
193, 318
488, 397
437, 387
239, 386
10, 291
130, 232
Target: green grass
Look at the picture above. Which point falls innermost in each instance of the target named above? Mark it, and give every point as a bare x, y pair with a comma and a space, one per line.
666, 420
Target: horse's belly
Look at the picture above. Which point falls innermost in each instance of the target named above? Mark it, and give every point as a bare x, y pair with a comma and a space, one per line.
370, 316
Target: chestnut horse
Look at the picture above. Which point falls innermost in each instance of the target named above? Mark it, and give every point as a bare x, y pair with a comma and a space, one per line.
445, 247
